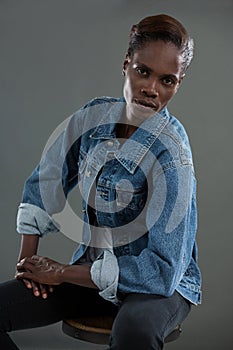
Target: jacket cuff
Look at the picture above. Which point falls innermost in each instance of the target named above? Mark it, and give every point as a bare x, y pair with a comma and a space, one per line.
34, 220
105, 274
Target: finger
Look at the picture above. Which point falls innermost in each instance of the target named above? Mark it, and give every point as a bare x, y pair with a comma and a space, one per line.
23, 275
27, 283
23, 261
35, 288
23, 265
51, 289
44, 291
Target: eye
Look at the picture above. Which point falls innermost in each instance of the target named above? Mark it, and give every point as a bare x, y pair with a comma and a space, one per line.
142, 71
168, 81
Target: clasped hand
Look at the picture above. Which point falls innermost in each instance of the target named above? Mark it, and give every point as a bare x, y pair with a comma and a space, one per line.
40, 274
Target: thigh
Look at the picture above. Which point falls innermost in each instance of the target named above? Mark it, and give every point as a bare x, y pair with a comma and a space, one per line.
20, 309
144, 321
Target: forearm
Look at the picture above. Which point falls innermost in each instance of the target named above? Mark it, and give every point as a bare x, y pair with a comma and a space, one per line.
29, 246
78, 274
44, 270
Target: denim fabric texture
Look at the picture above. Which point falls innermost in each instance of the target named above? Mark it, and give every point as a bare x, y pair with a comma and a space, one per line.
139, 200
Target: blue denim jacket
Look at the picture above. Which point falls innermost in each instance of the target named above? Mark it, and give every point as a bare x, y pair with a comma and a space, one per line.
138, 201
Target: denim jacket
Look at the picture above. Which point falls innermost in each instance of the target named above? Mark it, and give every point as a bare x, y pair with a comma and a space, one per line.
138, 201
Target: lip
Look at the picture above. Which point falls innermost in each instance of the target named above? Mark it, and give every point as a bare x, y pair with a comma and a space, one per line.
147, 104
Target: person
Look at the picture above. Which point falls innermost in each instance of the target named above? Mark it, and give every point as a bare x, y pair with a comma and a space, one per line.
131, 160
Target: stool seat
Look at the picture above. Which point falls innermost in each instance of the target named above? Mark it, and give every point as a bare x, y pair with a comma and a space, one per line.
96, 329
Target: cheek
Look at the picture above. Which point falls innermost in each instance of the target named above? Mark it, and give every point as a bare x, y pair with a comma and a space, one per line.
127, 89
166, 95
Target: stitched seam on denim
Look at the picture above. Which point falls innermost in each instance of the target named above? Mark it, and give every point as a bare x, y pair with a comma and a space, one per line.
171, 165
149, 142
179, 144
46, 229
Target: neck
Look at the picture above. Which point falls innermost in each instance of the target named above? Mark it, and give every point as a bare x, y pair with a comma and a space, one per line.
124, 131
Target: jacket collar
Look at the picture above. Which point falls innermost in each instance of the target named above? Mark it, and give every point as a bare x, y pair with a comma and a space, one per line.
135, 148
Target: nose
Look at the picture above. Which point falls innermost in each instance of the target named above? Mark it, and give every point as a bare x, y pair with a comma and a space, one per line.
150, 90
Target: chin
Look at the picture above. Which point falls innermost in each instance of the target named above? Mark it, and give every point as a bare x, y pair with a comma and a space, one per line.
138, 113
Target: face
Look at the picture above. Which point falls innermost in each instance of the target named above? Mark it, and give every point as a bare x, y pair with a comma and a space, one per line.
152, 77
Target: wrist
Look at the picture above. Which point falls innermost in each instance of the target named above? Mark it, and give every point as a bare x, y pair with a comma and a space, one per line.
29, 246
77, 274
62, 273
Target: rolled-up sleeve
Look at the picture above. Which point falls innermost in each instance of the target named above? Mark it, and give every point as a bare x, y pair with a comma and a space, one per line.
105, 274
34, 220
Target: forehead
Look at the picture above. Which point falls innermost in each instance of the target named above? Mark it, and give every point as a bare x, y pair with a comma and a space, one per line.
161, 57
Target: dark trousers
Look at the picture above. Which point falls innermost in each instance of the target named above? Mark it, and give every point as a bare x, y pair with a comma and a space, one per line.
142, 321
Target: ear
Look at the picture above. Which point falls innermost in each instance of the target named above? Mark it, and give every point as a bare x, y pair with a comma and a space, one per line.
180, 81
126, 62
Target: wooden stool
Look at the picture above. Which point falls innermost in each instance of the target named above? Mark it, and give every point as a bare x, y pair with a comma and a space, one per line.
97, 329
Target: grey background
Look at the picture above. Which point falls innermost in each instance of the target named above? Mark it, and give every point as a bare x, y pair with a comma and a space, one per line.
55, 56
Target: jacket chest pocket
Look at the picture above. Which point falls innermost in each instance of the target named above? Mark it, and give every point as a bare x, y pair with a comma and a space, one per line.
129, 197
119, 206
130, 204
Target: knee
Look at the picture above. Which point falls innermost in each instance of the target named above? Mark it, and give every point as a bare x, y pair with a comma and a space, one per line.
135, 332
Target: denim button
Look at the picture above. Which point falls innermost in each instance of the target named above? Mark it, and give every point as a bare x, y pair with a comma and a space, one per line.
88, 173
111, 155
102, 193
110, 143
